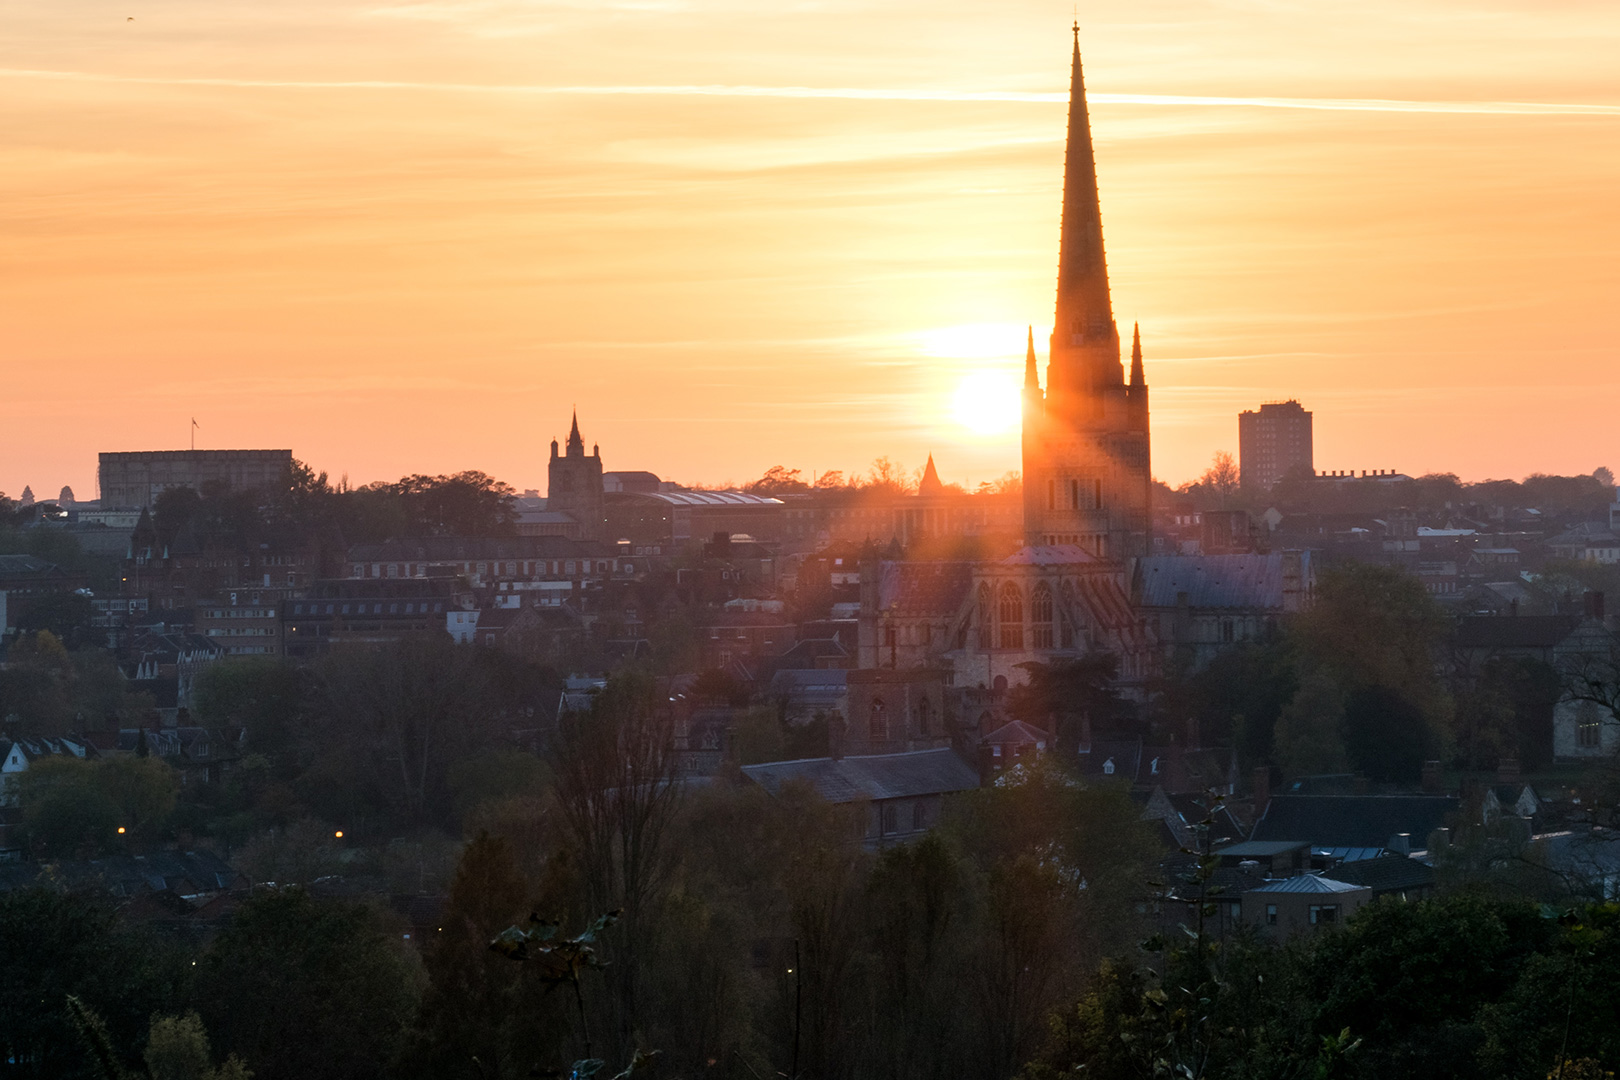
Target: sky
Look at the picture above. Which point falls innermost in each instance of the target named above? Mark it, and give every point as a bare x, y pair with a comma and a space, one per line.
402, 237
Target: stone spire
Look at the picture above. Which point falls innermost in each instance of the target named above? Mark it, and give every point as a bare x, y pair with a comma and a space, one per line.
1085, 312
1032, 380
576, 445
1137, 378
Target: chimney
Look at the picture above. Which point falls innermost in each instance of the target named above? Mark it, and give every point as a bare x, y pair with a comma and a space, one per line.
1439, 840
1401, 843
1507, 770
1432, 783
1262, 790
1594, 605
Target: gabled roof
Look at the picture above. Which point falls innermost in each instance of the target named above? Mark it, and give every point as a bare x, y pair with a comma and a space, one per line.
875, 776
1353, 820
1017, 733
1308, 883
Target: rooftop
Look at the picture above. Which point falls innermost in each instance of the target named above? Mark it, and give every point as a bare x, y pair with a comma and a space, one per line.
874, 776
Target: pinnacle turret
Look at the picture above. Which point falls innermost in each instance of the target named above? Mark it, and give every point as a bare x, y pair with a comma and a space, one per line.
576, 445
1032, 379
1085, 313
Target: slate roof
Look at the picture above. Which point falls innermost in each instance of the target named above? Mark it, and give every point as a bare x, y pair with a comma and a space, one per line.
923, 588
874, 776
1387, 873
1513, 631
1213, 581
1260, 849
1307, 883
25, 565
1353, 820
1050, 555
474, 548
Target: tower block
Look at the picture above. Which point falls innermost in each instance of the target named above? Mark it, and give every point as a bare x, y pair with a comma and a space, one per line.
1087, 470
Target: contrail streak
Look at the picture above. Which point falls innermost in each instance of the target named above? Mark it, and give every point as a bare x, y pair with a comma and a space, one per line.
854, 93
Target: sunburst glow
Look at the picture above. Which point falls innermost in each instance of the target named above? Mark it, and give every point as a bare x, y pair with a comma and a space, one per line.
986, 402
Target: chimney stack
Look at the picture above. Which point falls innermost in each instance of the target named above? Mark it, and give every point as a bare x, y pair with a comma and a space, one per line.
1507, 771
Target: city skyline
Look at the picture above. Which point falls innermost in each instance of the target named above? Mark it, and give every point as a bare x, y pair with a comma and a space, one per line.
410, 250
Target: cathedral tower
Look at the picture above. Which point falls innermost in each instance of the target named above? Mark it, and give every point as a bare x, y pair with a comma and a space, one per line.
1087, 477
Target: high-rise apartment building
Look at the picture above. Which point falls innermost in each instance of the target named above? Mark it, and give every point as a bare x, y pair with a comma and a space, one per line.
1273, 442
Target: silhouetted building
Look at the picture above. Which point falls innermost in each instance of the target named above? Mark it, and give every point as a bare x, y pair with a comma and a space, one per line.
1273, 442
574, 485
1087, 479
137, 478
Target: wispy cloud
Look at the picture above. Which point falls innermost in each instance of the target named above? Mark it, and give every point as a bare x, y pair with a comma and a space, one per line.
851, 93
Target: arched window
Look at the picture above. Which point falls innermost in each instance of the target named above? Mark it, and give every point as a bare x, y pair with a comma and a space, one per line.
878, 722
925, 718
1011, 611
1040, 617
987, 617
1070, 606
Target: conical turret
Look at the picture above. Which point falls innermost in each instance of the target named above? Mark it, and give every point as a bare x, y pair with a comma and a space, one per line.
1032, 379
1137, 379
930, 483
576, 445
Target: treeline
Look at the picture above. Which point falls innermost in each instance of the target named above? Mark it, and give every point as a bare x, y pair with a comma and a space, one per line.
756, 934
402, 740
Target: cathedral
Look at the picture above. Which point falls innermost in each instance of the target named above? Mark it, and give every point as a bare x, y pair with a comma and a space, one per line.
1087, 479
1087, 484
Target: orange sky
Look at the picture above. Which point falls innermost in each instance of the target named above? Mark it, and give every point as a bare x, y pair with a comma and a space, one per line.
407, 237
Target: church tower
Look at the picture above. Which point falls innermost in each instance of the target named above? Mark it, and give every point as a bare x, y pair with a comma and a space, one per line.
1087, 477
574, 484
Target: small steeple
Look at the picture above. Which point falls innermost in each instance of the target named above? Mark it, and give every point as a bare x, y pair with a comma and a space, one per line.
1032, 381
930, 483
1136, 355
576, 445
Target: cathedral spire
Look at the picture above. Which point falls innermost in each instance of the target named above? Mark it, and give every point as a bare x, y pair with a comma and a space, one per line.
1085, 314
1032, 380
1137, 378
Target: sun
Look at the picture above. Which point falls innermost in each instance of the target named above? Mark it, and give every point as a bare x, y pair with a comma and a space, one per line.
986, 402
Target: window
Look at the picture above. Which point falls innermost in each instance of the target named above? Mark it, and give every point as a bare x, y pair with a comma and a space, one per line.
925, 716
1588, 730
1226, 631
1010, 610
891, 818
1051, 494
1040, 617
919, 815
878, 722
986, 615
1324, 913
1271, 914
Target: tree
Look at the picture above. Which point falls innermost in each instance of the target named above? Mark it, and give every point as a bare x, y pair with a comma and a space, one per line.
1309, 736
76, 807
177, 1049
465, 504
778, 480
307, 989
477, 1019
1062, 694
886, 475
55, 945
1222, 478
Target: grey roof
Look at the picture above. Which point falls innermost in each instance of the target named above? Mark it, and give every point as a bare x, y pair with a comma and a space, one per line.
1213, 581
811, 681
706, 498
1387, 873
1308, 883
1050, 555
126, 875
875, 776
1261, 848
1353, 820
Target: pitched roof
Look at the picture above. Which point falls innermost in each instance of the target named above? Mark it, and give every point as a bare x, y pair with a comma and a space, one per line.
1308, 883
1017, 733
1353, 820
923, 588
1387, 873
875, 776
1513, 631
1212, 581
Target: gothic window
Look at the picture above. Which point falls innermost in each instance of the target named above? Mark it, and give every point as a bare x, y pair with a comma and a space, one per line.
1040, 617
1011, 611
1074, 494
986, 618
1096, 488
1051, 494
878, 722
924, 716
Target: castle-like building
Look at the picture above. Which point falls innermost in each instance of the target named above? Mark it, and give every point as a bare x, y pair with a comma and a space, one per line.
574, 484
1087, 477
